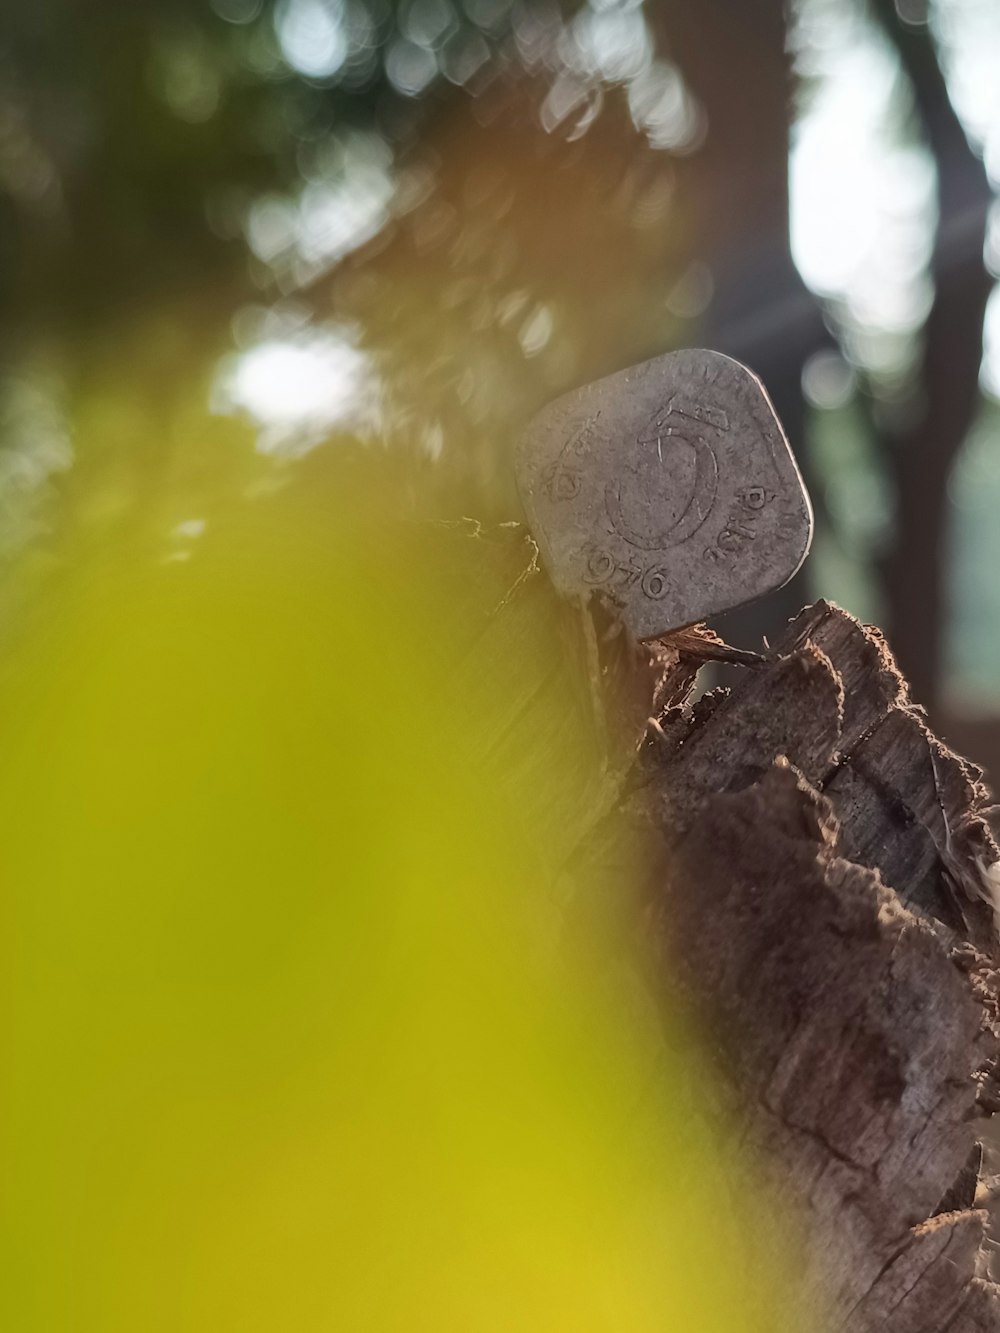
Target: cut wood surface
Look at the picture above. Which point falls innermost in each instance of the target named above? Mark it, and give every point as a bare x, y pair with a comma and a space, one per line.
823, 893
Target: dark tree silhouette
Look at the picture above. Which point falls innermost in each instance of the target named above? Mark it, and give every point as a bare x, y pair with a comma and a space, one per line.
736, 61
920, 441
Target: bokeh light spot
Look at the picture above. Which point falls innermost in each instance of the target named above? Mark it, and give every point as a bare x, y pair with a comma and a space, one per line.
297, 389
238, 11
410, 67
313, 36
828, 381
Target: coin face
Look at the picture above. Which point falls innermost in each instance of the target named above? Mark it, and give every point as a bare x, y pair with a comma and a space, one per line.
670, 488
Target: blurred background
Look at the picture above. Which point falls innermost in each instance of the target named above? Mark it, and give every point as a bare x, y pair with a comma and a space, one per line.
247, 242
282, 1001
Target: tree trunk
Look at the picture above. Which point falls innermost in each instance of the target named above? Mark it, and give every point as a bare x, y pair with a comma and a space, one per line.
821, 892
735, 60
826, 892
945, 396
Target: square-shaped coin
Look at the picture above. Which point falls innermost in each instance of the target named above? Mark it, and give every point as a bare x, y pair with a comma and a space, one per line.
670, 488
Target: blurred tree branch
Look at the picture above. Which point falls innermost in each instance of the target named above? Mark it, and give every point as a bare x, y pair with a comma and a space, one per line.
921, 438
735, 57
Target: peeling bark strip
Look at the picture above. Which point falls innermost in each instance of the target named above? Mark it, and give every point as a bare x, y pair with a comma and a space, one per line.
827, 897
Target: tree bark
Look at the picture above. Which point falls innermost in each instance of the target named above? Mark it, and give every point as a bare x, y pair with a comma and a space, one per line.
820, 894
825, 891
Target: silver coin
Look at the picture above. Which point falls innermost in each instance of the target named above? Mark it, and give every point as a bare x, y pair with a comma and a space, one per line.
669, 488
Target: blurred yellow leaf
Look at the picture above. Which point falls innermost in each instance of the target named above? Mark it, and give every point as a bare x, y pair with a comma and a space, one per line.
289, 1039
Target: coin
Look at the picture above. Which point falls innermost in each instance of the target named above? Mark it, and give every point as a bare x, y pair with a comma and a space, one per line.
669, 488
